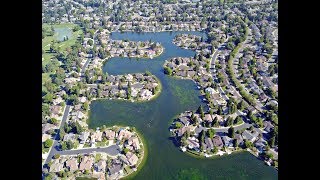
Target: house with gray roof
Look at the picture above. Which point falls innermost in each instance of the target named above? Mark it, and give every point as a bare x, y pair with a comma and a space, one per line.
83, 137
208, 143
268, 126
69, 137
228, 142
249, 136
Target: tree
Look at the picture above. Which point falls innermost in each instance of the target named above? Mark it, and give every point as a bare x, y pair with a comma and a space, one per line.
125, 150
211, 133
200, 111
229, 121
248, 144
235, 143
61, 133
178, 125
168, 71
63, 145
272, 141
183, 141
70, 145
86, 106
238, 120
48, 143
90, 42
220, 111
54, 121
56, 156
231, 132
214, 150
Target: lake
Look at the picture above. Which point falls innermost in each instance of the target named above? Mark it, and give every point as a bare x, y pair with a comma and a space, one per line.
152, 119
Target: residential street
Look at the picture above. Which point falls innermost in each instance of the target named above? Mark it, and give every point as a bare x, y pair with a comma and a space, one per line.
212, 70
53, 149
112, 150
83, 70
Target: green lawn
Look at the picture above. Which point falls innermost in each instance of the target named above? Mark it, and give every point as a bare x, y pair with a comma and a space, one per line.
48, 39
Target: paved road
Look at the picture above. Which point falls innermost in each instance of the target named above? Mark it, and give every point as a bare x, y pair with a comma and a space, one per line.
55, 142
83, 70
112, 150
212, 63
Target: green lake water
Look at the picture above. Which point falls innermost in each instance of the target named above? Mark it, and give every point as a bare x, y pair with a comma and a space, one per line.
152, 119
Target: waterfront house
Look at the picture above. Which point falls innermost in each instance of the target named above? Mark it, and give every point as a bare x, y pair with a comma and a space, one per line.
239, 139
132, 158
134, 141
228, 142
83, 137
208, 143
110, 134
217, 141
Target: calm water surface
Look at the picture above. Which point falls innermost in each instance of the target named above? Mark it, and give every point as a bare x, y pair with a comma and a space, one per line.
152, 119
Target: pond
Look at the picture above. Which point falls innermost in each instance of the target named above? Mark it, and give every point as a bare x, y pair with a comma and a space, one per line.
63, 32
152, 119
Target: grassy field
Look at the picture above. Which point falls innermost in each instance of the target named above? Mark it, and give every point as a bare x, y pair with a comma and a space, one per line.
63, 45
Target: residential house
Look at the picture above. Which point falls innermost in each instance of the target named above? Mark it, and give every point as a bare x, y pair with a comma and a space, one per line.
101, 166
45, 137
228, 142
268, 126
124, 134
83, 137
115, 169
217, 141
193, 143
208, 117
72, 164
260, 144
239, 139
208, 143
55, 109
86, 163
46, 127
184, 120
56, 166
96, 136
69, 137
249, 136
110, 134
134, 141
132, 158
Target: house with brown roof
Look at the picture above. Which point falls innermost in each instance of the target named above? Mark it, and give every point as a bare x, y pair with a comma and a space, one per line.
132, 158
72, 164
124, 134
56, 166
217, 142
134, 141
46, 127
96, 136
110, 134
86, 163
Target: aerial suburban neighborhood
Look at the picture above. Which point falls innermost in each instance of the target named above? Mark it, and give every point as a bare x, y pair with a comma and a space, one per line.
234, 68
